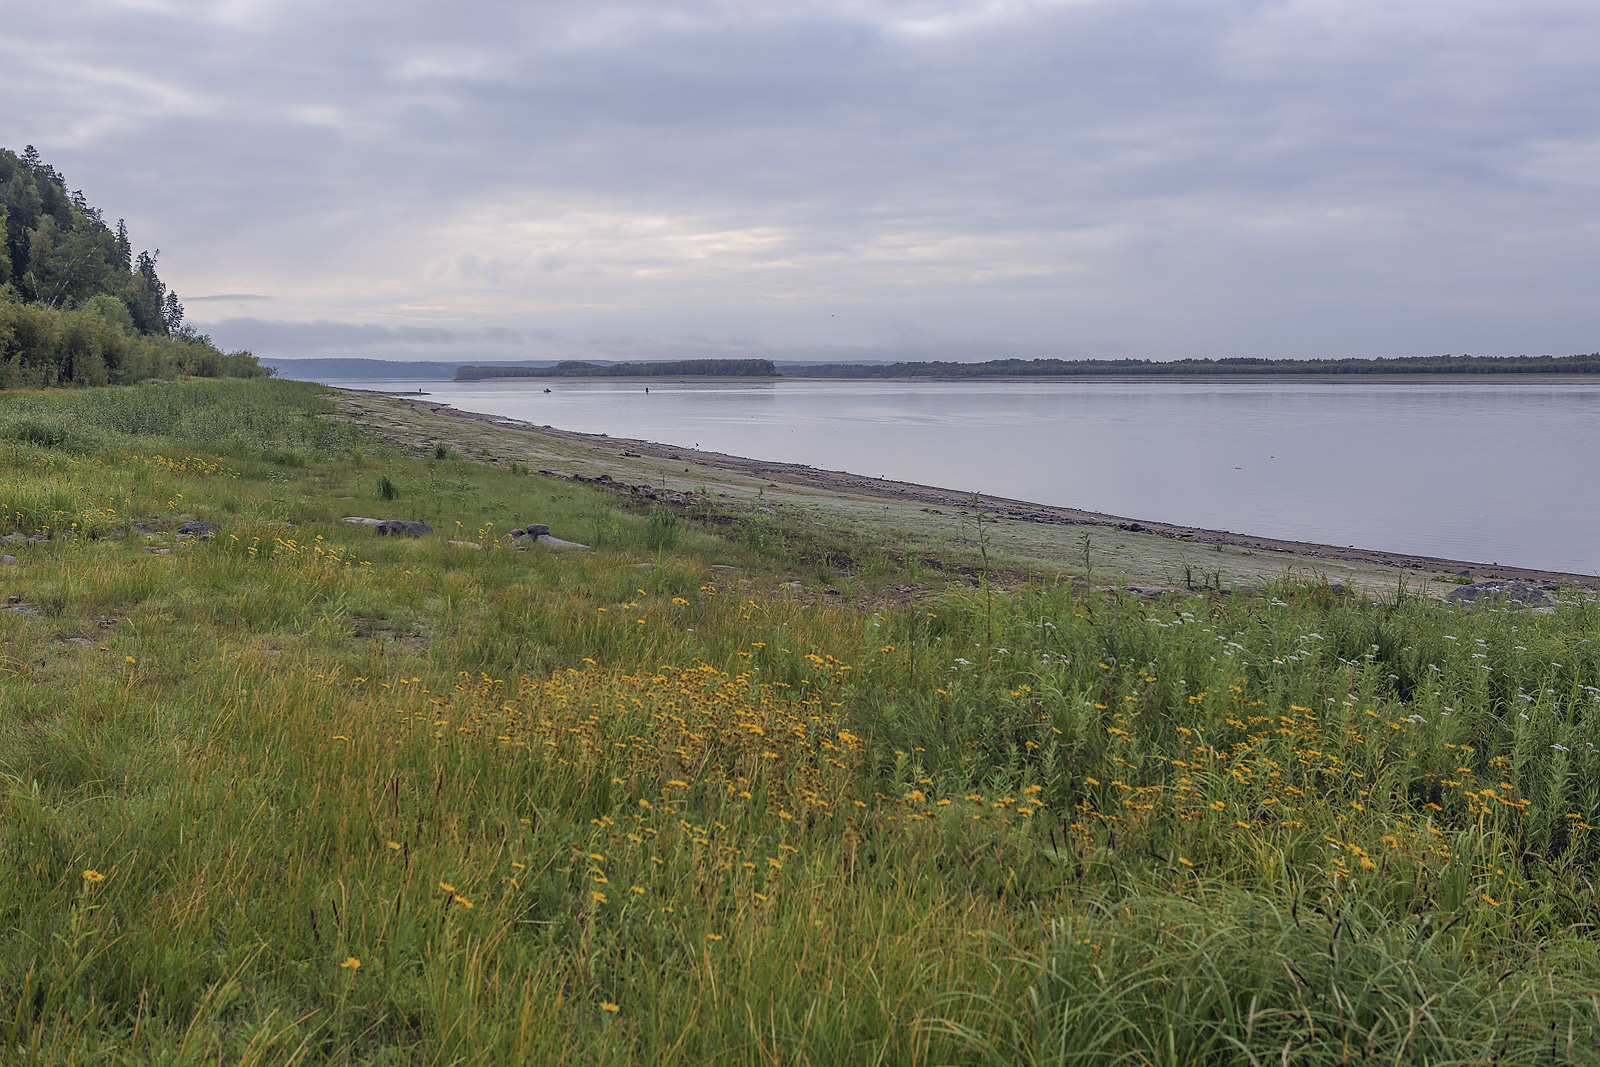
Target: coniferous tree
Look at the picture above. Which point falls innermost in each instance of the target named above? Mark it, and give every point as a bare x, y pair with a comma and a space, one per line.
171, 314
124, 248
76, 306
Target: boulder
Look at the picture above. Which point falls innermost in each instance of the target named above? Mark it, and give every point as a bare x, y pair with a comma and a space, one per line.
1503, 590
539, 533
556, 542
199, 529
402, 528
357, 520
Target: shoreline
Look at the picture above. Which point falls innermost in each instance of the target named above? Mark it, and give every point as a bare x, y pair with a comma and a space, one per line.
627, 463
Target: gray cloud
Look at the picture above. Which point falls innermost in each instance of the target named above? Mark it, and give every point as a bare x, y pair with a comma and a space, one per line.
1149, 177
301, 340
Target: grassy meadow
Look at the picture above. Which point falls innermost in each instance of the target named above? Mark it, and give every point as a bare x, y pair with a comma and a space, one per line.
297, 794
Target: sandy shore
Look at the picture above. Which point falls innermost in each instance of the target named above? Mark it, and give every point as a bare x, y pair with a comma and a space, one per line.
642, 465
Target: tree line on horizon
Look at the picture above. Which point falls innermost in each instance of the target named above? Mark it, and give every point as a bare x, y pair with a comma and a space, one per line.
1055, 368
699, 368
77, 305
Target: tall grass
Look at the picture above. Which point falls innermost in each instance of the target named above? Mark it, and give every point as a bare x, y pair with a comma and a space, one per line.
297, 794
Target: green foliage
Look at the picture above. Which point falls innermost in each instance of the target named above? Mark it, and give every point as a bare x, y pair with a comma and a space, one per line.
1218, 976
52, 435
75, 306
112, 310
661, 529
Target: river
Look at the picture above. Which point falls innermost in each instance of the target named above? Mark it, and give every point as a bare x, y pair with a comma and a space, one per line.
1493, 470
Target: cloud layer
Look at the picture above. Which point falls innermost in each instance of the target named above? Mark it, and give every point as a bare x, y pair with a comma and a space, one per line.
1158, 178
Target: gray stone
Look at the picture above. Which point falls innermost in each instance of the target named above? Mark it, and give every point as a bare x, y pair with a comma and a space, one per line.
8, 559
357, 520
199, 529
539, 533
402, 528
1503, 590
556, 542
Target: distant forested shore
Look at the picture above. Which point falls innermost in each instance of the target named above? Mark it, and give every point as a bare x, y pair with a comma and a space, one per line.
695, 368
1049, 368
77, 306
1144, 368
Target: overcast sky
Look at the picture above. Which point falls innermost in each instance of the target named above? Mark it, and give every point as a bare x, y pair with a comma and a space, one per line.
905, 178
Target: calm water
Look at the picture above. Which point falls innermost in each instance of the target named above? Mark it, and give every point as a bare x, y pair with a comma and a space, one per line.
1502, 471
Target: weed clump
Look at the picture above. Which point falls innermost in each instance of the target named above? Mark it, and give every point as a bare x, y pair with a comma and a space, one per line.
661, 531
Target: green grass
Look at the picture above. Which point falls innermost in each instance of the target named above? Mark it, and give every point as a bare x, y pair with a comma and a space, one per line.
618, 807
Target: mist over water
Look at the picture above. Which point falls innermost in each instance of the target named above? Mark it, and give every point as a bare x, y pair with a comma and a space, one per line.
1503, 471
